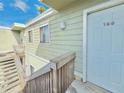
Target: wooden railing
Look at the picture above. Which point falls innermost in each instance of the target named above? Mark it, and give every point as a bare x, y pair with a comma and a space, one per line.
20, 54
21, 71
54, 77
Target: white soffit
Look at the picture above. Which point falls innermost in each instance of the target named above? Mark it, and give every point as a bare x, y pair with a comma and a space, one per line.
18, 26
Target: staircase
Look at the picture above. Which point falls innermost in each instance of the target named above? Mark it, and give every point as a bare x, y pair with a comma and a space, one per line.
10, 81
55, 77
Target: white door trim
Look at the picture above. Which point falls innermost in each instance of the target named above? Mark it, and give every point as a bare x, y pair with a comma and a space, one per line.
86, 12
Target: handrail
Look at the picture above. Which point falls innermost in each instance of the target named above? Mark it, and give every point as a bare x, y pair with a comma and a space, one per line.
61, 60
20, 70
40, 72
54, 64
55, 77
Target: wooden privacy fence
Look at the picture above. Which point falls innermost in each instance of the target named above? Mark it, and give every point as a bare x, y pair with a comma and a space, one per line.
54, 77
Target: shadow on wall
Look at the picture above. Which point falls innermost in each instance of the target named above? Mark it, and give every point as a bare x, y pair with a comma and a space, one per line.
49, 51
16, 35
7, 40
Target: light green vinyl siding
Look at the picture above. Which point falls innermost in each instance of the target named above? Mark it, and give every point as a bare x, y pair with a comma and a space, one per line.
69, 39
35, 62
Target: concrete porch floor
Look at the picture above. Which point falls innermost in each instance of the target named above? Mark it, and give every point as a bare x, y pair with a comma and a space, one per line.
79, 87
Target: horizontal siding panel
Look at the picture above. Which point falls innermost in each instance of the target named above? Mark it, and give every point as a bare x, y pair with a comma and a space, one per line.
65, 47
49, 53
60, 49
69, 27
75, 43
73, 10
50, 50
67, 38
75, 18
57, 32
67, 23
70, 14
78, 19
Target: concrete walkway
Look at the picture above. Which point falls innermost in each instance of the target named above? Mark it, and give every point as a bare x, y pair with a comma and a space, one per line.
79, 87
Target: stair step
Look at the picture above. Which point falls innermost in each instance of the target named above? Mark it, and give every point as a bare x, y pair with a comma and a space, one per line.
11, 76
15, 79
10, 72
2, 78
15, 88
2, 81
14, 84
6, 58
1, 73
7, 62
9, 69
7, 66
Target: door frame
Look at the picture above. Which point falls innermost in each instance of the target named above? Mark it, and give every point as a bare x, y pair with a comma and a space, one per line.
86, 12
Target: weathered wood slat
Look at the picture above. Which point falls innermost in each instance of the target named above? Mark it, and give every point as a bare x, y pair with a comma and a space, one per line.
54, 77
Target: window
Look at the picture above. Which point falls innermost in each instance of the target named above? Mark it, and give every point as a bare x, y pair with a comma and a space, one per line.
30, 36
44, 34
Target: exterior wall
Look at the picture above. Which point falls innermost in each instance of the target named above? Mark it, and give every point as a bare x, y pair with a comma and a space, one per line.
22, 37
36, 62
17, 36
7, 40
69, 39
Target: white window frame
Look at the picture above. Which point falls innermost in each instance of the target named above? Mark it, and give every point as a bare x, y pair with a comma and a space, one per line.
32, 36
45, 24
86, 12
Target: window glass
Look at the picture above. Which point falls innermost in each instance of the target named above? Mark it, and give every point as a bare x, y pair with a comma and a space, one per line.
30, 34
44, 34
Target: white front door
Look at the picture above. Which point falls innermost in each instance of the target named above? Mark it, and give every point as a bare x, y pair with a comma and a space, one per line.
105, 53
